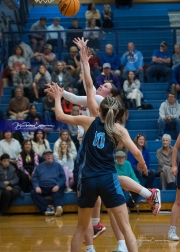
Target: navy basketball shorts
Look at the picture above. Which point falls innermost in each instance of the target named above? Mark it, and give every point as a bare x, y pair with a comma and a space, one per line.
106, 186
178, 178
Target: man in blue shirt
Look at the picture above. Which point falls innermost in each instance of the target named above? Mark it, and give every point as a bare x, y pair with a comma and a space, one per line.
112, 58
132, 60
176, 80
48, 179
160, 64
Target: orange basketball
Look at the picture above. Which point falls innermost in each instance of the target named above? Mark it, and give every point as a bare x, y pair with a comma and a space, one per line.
69, 7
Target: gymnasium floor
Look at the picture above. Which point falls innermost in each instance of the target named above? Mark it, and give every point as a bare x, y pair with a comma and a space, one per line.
35, 233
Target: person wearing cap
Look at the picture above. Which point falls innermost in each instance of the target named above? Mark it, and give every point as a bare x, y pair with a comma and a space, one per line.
107, 77
48, 179
160, 64
38, 37
132, 60
72, 61
75, 32
47, 58
52, 37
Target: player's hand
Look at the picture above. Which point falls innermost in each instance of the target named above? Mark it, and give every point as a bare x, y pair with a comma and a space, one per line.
84, 55
174, 170
54, 91
55, 189
80, 42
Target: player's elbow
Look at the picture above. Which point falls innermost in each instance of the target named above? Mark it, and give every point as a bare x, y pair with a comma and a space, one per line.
136, 152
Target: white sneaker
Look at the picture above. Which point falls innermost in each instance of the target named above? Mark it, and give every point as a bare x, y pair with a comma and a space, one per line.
122, 248
59, 211
172, 235
90, 250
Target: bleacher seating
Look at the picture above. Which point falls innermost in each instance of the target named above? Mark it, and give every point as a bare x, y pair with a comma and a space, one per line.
141, 27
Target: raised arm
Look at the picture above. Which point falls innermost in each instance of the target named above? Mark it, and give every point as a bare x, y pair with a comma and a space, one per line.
57, 93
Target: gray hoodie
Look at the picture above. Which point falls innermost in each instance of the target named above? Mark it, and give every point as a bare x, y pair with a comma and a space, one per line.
167, 109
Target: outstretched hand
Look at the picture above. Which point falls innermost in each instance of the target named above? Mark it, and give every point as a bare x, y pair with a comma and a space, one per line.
84, 55
54, 91
80, 42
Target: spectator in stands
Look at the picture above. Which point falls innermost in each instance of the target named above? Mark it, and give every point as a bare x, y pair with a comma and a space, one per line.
176, 56
52, 37
75, 32
32, 115
93, 13
67, 106
140, 142
26, 163
15, 61
18, 104
48, 105
9, 189
39, 37
107, 17
1, 49
48, 179
63, 157
164, 156
47, 59
132, 90
77, 84
176, 80
40, 144
26, 135
73, 129
40, 80
24, 80
112, 58
132, 60
28, 54
124, 168
92, 36
65, 136
169, 113
10, 146
72, 61
160, 64
94, 62
107, 77
61, 76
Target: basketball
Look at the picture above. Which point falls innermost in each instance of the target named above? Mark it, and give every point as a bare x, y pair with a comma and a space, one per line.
69, 7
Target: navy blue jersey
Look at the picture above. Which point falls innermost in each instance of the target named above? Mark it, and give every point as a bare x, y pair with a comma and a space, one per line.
99, 151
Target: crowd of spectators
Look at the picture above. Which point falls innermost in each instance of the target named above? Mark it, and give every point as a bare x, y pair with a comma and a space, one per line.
28, 156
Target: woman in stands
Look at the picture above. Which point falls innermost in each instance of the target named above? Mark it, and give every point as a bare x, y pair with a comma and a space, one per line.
61, 76
65, 136
95, 153
33, 113
26, 163
63, 157
16, 60
92, 12
92, 36
39, 144
9, 189
10, 146
107, 17
132, 90
164, 156
149, 174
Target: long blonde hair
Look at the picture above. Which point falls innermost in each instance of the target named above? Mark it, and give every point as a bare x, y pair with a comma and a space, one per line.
60, 154
110, 107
